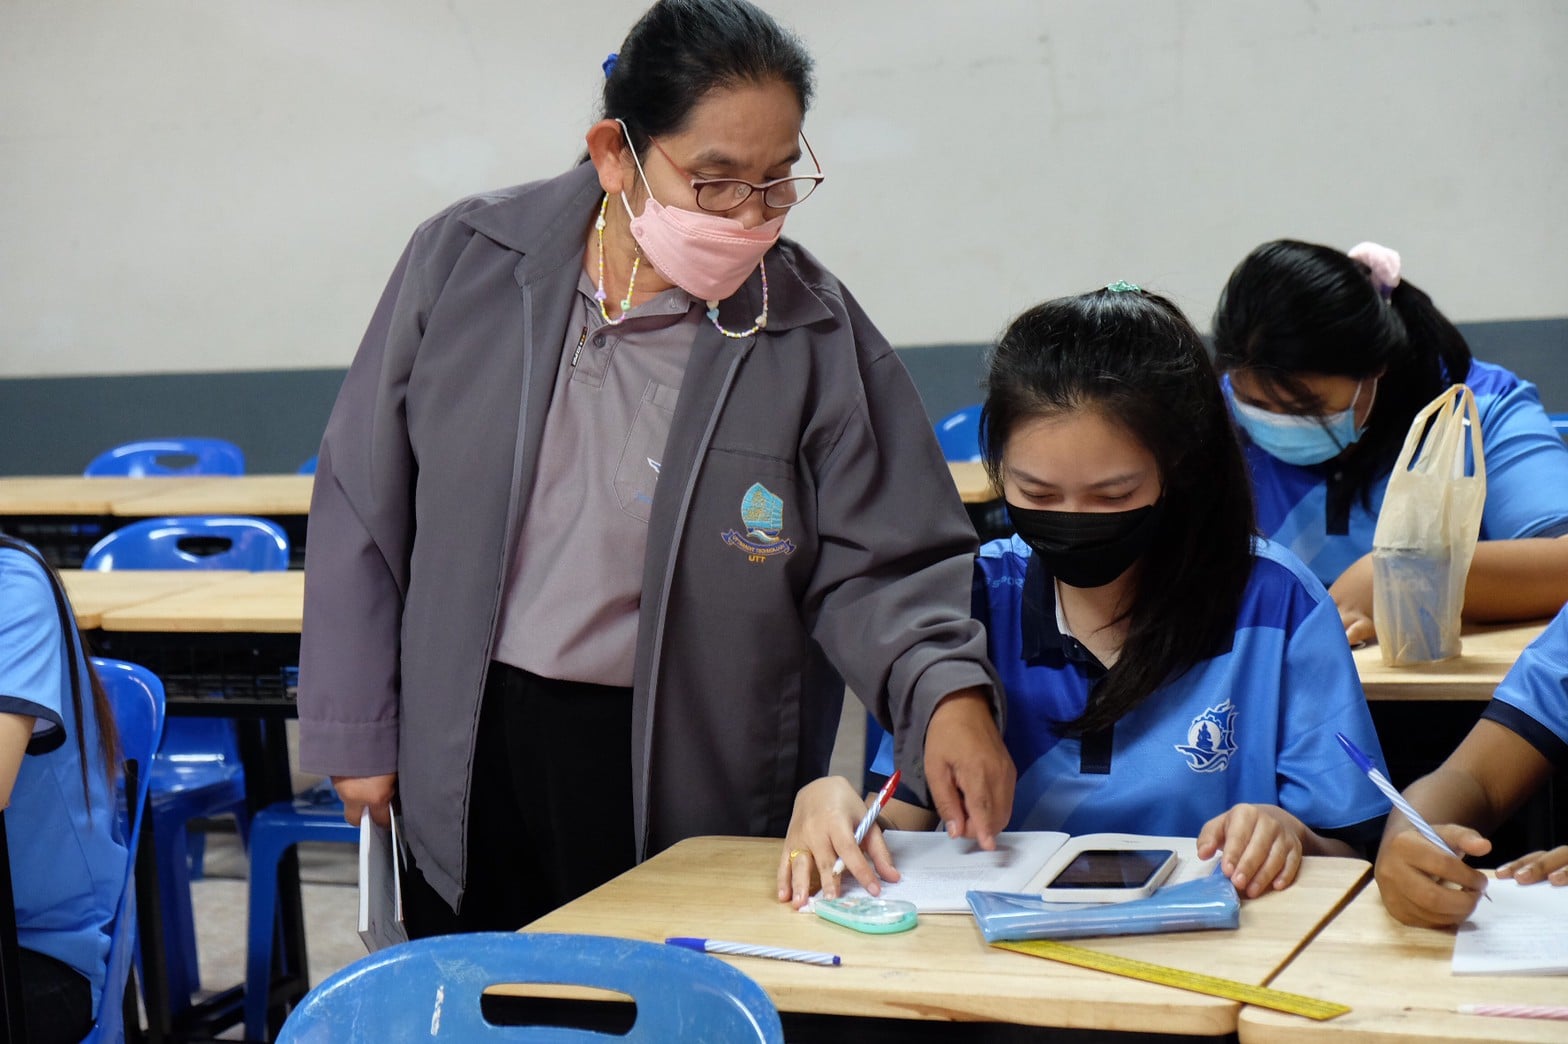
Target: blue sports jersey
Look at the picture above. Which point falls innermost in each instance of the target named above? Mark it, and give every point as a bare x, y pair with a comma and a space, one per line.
1254, 723
1533, 698
1526, 482
67, 867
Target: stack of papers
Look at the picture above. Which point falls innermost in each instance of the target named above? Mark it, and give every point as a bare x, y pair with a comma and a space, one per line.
380, 884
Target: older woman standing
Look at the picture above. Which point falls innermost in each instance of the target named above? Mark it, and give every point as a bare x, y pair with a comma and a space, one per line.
619, 487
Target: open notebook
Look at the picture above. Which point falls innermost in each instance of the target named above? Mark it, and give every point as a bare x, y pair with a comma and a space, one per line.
937, 871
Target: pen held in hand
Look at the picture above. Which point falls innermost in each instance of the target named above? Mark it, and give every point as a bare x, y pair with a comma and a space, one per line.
735, 949
864, 826
1380, 781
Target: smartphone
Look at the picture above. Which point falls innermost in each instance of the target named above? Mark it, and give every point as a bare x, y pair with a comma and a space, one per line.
1109, 875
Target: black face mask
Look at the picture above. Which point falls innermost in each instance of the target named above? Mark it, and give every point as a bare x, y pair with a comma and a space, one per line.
1088, 548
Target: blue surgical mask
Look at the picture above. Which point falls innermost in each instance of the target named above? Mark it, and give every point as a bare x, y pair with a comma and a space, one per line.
1297, 439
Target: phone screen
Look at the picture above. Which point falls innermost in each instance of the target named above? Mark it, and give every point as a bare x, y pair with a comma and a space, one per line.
1112, 868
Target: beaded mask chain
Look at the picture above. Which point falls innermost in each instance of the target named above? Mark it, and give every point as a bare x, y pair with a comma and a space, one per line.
757, 324
599, 294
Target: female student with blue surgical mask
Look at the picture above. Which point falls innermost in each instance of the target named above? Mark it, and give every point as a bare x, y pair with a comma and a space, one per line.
1167, 671
1327, 358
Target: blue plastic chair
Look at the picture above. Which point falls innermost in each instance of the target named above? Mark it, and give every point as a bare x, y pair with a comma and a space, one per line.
136, 695
184, 456
316, 815
309, 467
1560, 422
959, 434
197, 772
193, 542
429, 990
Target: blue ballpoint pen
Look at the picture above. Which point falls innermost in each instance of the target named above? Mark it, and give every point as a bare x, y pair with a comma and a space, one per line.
1379, 780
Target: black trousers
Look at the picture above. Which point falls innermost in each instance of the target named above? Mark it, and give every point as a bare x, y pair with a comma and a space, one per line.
58, 998
550, 812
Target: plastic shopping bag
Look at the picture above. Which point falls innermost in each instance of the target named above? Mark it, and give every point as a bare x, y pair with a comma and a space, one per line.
1426, 532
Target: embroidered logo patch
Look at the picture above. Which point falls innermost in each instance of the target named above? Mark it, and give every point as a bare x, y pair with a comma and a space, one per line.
1211, 739
762, 515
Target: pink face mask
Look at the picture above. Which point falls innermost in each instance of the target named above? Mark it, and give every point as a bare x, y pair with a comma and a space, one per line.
707, 255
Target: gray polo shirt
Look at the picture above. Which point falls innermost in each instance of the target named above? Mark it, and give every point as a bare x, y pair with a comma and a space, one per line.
575, 580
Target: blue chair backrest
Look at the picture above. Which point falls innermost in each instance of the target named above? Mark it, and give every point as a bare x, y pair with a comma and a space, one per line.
1560, 422
959, 434
136, 695
309, 467
193, 542
190, 456
429, 989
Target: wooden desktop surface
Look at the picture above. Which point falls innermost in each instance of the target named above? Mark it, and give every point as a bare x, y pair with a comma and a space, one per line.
75, 495
150, 497
722, 887
93, 593
266, 603
1398, 983
1486, 654
974, 485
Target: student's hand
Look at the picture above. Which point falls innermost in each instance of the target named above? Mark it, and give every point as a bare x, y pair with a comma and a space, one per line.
1262, 846
359, 791
1538, 866
1352, 593
822, 830
1417, 878
968, 769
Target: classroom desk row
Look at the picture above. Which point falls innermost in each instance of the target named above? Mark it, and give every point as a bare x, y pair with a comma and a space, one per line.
64, 515
1327, 936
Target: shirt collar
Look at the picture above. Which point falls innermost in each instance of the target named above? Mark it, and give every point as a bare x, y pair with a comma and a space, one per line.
1043, 637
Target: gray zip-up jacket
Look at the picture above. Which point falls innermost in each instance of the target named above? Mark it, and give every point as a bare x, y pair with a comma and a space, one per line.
805, 531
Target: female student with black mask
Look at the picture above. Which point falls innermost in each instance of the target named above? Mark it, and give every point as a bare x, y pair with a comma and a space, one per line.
1167, 671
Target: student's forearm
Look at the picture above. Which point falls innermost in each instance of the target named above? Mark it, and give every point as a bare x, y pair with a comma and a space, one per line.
1517, 580
1448, 795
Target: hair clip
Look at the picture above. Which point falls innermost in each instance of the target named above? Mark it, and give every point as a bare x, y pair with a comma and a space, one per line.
1121, 286
608, 65
1382, 263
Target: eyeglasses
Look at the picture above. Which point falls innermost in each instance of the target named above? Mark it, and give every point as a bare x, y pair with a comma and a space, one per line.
719, 195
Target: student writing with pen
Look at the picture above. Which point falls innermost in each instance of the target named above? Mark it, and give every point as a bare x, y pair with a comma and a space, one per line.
1167, 671
1511, 753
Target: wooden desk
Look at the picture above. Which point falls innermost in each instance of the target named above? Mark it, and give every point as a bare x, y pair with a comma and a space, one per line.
76, 495
64, 515
231, 603
92, 593
974, 485
1397, 981
722, 887
1486, 654
267, 496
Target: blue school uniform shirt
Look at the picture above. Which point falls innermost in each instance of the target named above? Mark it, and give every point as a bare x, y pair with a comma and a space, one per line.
67, 868
1533, 698
1526, 482
1253, 723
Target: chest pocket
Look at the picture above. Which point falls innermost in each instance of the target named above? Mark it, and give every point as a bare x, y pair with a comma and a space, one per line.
641, 457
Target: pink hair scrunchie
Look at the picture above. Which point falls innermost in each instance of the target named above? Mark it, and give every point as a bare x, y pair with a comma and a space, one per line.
1383, 262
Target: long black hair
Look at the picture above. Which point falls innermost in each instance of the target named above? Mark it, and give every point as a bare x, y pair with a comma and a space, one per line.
1133, 356
680, 50
95, 697
1294, 308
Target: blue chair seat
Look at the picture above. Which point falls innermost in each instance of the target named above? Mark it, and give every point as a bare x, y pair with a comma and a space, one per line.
175, 456
429, 990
